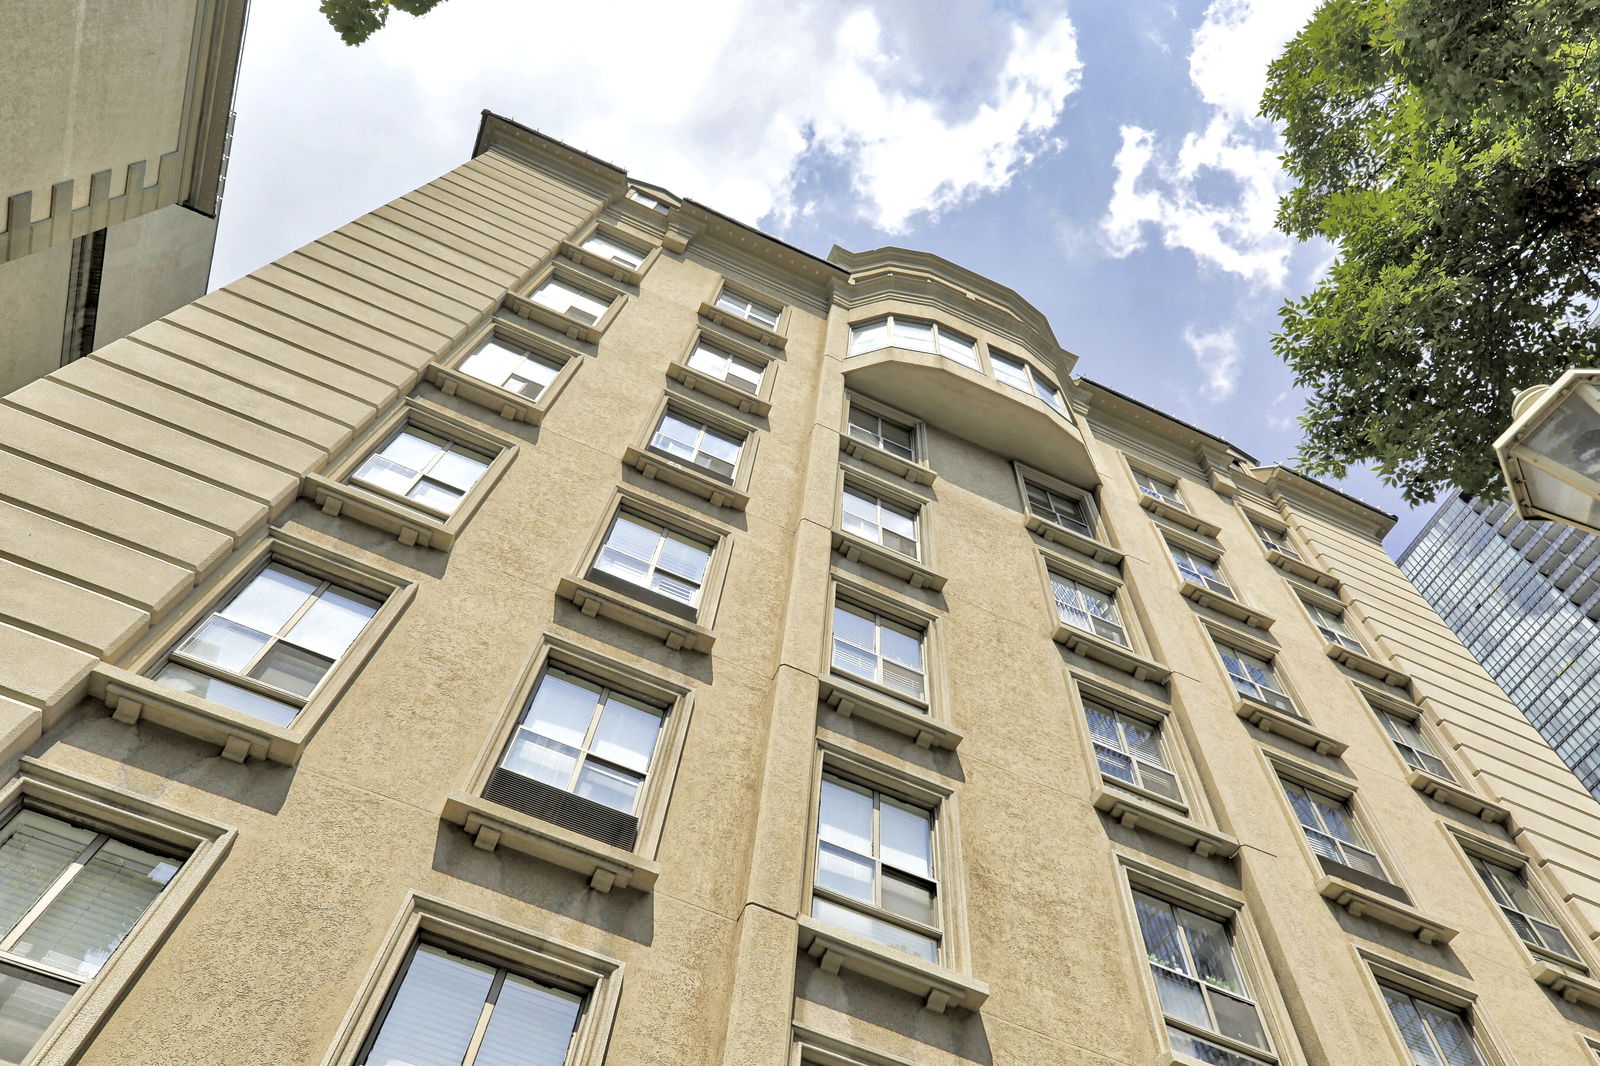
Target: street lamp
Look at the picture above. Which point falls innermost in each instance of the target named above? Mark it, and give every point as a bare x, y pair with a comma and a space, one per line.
1550, 455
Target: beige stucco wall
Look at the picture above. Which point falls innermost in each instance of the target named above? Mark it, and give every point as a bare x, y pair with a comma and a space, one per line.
129, 478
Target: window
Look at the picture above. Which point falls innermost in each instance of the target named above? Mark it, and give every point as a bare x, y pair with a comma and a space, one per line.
424, 469
735, 370
1129, 750
68, 897
511, 368
1331, 625
266, 649
580, 739
639, 196
890, 524
1254, 677
749, 309
1414, 747
566, 299
449, 1010
1274, 540
1522, 908
654, 557
1065, 511
893, 437
877, 649
1200, 570
714, 450
1157, 489
1435, 1036
875, 868
1010, 370
1202, 992
1089, 609
1331, 830
606, 248
913, 334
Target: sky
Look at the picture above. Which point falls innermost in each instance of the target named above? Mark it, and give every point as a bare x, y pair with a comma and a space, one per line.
1103, 159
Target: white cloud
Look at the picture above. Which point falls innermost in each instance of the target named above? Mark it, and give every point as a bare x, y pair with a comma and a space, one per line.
1216, 194
1217, 355
731, 102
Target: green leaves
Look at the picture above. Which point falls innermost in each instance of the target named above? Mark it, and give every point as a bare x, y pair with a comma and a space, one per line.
1451, 151
357, 20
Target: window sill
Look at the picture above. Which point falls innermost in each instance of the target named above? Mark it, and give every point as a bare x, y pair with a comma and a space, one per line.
1066, 538
1113, 655
1366, 903
852, 698
1225, 605
1135, 812
593, 599
1367, 665
1178, 1058
409, 526
574, 328
695, 381
726, 320
860, 550
660, 468
1451, 794
610, 267
915, 473
1570, 986
1300, 568
1269, 719
492, 825
940, 987
134, 698
512, 406
1187, 519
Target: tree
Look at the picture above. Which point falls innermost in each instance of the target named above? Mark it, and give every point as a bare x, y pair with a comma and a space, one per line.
356, 20
1450, 149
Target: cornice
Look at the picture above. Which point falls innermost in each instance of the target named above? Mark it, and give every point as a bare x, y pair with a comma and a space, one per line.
1290, 484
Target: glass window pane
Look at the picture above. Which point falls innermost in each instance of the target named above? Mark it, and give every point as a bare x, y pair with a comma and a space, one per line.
709, 360
1181, 997
35, 850
291, 669
910, 899
844, 872
905, 838
433, 1016
85, 923
912, 334
852, 626
626, 735
869, 337
845, 817
882, 932
901, 647
684, 558
633, 538
431, 494
541, 759
1160, 930
332, 624
962, 349
1450, 1032
270, 599
562, 708
1205, 1051
609, 249
217, 691
459, 469
383, 474
617, 789
1212, 952
531, 1025
411, 451
1238, 1018
1009, 371
493, 362
223, 643
28, 1006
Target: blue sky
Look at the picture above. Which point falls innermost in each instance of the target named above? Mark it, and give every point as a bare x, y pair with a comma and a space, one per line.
1103, 159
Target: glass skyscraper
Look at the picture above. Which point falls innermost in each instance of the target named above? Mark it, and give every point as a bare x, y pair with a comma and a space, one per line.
1525, 598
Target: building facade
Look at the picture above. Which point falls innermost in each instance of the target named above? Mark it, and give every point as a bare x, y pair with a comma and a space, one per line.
1524, 597
114, 132
546, 622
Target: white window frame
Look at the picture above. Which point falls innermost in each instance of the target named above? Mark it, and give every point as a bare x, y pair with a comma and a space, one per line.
1083, 500
1273, 539
737, 302
1387, 719
446, 372
1167, 765
1331, 626
1339, 844
1154, 488
968, 357
877, 438
704, 426
1068, 587
431, 436
1226, 646
1536, 938
867, 493
1188, 561
1034, 383
1464, 1014
880, 620
664, 531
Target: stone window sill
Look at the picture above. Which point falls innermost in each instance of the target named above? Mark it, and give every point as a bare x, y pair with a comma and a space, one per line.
660, 468
1225, 605
1365, 664
1572, 987
1178, 515
867, 453
1066, 538
610, 267
1269, 719
408, 525
593, 599
770, 338
1113, 655
860, 550
695, 381
1301, 568
512, 406
492, 825
134, 698
852, 698
1135, 812
1448, 792
1365, 903
940, 987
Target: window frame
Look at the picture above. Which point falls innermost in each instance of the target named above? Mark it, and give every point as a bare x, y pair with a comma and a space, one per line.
133, 696
1343, 636
493, 824
1097, 545
446, 374
1476, 849
1151, 715
1175, 508
938, 328
586, 282
492, 942
775, 336
1267, 717
1383, 973
336, 494
1034, 377
1388, 709
647, 250
758, 403
919, 571
1132, 657
1298, 563
126, 816
915, 469
658, 465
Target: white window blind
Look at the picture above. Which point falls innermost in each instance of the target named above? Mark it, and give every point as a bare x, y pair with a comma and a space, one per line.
878, 649
1087, 608
655, 557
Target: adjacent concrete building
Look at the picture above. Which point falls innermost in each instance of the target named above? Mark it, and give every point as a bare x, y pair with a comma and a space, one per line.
1525, 599
114, 125
546, 622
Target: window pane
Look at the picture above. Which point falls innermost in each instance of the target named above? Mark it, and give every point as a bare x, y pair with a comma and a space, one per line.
684, 558
613, 251
1160, 930
903, 648
1181, 997
1412, 1029
962, 349
617, 789
270, 599
845, 818
848, 874
912, 334
291, 669
1450, 1032
1207, 1052
85, 923
626, 735
224, 643
431, 494
493, 362
28, 1005
458, 469
432, 1018
909, 898
383, 474
1238, 1018
562, 708
541, 759
874, 929
1212, 952
898, 439
240, 699
531, 1026
851, 626
332, 624
35, 850
905, 838
411, 451
869, 337
1009, 370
